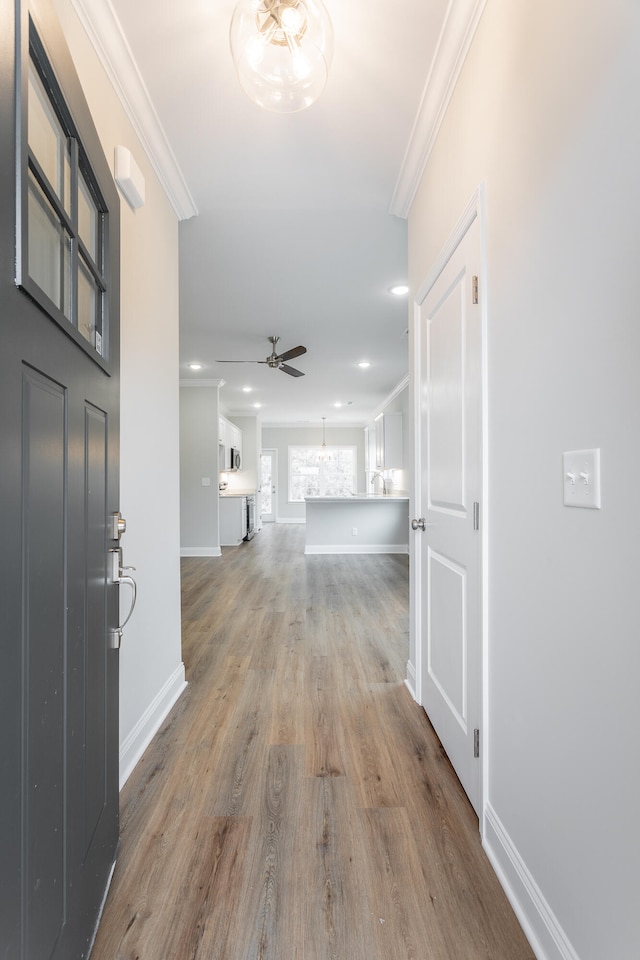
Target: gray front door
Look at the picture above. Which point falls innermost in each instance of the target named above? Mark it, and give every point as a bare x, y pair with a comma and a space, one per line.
59, 363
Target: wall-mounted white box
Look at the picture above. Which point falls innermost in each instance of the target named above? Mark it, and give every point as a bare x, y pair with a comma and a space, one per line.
129, 178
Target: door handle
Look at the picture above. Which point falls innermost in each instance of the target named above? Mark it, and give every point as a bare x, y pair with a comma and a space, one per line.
420, 524
119, 576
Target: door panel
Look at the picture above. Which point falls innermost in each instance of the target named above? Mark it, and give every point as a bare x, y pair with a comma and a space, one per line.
43, 700
445, 412
59, 485
446, 634
96, 668
450, 547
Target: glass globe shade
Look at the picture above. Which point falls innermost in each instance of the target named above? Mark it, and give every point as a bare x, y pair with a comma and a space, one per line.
282, 51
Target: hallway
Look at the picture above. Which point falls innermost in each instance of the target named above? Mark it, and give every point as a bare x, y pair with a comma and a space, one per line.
297, 804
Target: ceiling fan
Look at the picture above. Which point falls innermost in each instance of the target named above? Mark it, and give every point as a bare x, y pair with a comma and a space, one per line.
277, 360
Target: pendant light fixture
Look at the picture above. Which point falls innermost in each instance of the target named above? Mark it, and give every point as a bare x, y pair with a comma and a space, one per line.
323, 449
282, 51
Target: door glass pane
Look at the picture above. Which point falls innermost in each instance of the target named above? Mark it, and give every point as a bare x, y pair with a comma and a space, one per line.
87, 218
49, 249
64, 220
87, 303
47, 140
266, 484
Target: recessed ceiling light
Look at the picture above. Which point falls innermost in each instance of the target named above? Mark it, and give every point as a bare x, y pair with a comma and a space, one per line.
399, 289
338, 404
194, 366
257, 405
364, 364
247, 389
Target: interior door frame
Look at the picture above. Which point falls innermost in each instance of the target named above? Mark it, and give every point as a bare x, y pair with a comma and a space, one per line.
476, 208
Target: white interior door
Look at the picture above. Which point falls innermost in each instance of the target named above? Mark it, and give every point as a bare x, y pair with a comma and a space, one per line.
268, 485
449, 354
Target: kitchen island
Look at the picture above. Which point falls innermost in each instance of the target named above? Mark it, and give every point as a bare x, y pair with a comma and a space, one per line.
361, 523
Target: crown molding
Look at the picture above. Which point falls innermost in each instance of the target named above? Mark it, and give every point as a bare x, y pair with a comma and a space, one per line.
397, 390
201, 383
311, 425
114, 53
458, 31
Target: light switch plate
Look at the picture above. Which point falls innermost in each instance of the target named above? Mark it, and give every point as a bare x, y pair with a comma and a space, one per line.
581, 478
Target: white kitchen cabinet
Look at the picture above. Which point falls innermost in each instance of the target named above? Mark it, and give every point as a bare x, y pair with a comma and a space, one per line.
389, 441
233, 520
235, 437
229, 435
370, 448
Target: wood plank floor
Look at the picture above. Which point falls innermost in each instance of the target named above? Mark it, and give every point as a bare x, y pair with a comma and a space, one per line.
297, 804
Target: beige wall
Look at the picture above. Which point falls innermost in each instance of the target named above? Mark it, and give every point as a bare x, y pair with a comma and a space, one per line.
151, 670
546, 114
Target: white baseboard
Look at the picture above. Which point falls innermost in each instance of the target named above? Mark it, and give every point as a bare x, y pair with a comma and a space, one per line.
360, 548
132, 748
410, 681
542, 929
200, 552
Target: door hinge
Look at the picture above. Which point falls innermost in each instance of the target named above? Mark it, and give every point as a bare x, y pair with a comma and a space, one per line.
474, 289
476, 515
476, 743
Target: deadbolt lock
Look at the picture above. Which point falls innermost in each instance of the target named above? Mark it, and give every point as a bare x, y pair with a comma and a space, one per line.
118, 525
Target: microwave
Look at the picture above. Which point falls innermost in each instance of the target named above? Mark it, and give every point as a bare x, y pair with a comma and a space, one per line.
234, 459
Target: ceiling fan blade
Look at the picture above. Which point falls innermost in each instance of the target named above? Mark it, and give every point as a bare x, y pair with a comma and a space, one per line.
294, 352
290, 370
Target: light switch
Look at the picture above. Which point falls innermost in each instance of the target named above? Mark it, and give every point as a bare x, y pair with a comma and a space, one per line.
206, 481
581, 478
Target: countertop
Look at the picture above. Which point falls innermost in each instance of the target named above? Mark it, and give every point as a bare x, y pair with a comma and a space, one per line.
237, 493
361, 498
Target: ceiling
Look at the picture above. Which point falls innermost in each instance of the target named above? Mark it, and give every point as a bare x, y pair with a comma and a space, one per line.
286, 224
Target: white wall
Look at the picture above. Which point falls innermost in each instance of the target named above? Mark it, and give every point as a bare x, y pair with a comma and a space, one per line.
546, 112
199, 434
280, 438
151, 669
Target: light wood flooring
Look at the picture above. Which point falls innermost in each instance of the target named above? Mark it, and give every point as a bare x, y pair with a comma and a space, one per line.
297, 804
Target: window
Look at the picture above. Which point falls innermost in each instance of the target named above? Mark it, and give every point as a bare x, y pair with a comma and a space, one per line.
62, 217
316, 471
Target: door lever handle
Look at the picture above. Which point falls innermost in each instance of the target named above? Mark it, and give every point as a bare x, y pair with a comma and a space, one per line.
134, 597
118, 576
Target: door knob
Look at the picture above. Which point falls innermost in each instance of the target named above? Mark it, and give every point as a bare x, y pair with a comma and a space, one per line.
420, 524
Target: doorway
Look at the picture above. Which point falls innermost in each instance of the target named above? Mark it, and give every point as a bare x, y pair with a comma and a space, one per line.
268, 485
